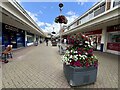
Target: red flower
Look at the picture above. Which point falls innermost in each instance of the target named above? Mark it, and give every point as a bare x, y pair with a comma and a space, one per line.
87, 64
72, 41
90, 51
72, 63
68, 37
83, 36
77, 63
86, 59
79, 49
79, 52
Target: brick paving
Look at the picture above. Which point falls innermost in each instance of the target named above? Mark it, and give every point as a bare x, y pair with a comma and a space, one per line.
41, 67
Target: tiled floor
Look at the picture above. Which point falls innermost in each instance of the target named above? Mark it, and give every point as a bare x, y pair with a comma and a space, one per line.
41, 67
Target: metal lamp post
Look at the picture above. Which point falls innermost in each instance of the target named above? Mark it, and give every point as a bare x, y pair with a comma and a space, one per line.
60, 6
61, 19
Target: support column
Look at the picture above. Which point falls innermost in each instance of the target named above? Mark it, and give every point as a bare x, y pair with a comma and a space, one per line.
34, 37
111, 6
104, 40
38, 39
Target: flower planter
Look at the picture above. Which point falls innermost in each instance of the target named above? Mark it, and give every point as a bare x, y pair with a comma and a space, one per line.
80, 75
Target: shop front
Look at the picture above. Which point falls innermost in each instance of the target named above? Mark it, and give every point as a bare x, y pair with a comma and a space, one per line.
12, 36
30, 39
95, 38
113, 43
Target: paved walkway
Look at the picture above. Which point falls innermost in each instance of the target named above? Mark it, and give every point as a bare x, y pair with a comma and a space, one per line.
41, 67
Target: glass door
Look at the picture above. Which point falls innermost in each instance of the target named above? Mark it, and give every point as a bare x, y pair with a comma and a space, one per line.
13, 40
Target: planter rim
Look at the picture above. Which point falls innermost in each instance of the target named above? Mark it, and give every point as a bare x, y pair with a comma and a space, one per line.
81, 67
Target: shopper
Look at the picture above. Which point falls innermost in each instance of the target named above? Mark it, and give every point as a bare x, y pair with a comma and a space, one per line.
46, 42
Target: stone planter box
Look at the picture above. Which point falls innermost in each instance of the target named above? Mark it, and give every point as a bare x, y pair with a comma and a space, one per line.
80, 76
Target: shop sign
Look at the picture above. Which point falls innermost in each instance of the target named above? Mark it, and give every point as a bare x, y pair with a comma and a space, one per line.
93, 32
113, 28
113, 46
8, 27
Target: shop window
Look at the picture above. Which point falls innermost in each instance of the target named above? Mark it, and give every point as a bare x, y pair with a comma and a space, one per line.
100, 9
116, 3
30, 39
20, 40
115, 38
114, 42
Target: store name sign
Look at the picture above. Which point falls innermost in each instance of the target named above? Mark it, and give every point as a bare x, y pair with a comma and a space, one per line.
94, 32
117, 28
10, 28
113, 28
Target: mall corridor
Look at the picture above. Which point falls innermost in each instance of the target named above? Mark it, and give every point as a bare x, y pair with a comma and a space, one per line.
41, 67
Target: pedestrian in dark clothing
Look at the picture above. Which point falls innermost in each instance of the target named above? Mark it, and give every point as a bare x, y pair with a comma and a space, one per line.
46, 42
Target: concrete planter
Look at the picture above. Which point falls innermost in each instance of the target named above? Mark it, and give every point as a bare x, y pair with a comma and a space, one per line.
80, 76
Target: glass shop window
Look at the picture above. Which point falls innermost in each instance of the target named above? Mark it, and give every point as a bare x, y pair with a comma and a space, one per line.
115, 38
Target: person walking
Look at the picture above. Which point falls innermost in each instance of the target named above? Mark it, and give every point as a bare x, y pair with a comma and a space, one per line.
46, 42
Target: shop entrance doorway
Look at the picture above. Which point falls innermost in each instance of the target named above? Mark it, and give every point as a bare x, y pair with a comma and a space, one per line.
96, 41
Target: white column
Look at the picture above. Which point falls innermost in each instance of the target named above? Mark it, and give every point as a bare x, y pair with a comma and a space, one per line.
25, 38
34, 37
111, 6
38, 39
104, 39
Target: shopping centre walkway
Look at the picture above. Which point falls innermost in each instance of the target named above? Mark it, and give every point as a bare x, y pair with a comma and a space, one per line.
41, 67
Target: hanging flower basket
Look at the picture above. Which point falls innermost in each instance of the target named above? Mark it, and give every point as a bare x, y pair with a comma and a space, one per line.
61, 19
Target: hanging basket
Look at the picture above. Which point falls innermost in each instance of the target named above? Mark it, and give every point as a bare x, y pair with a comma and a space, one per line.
61, 19
53, 32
